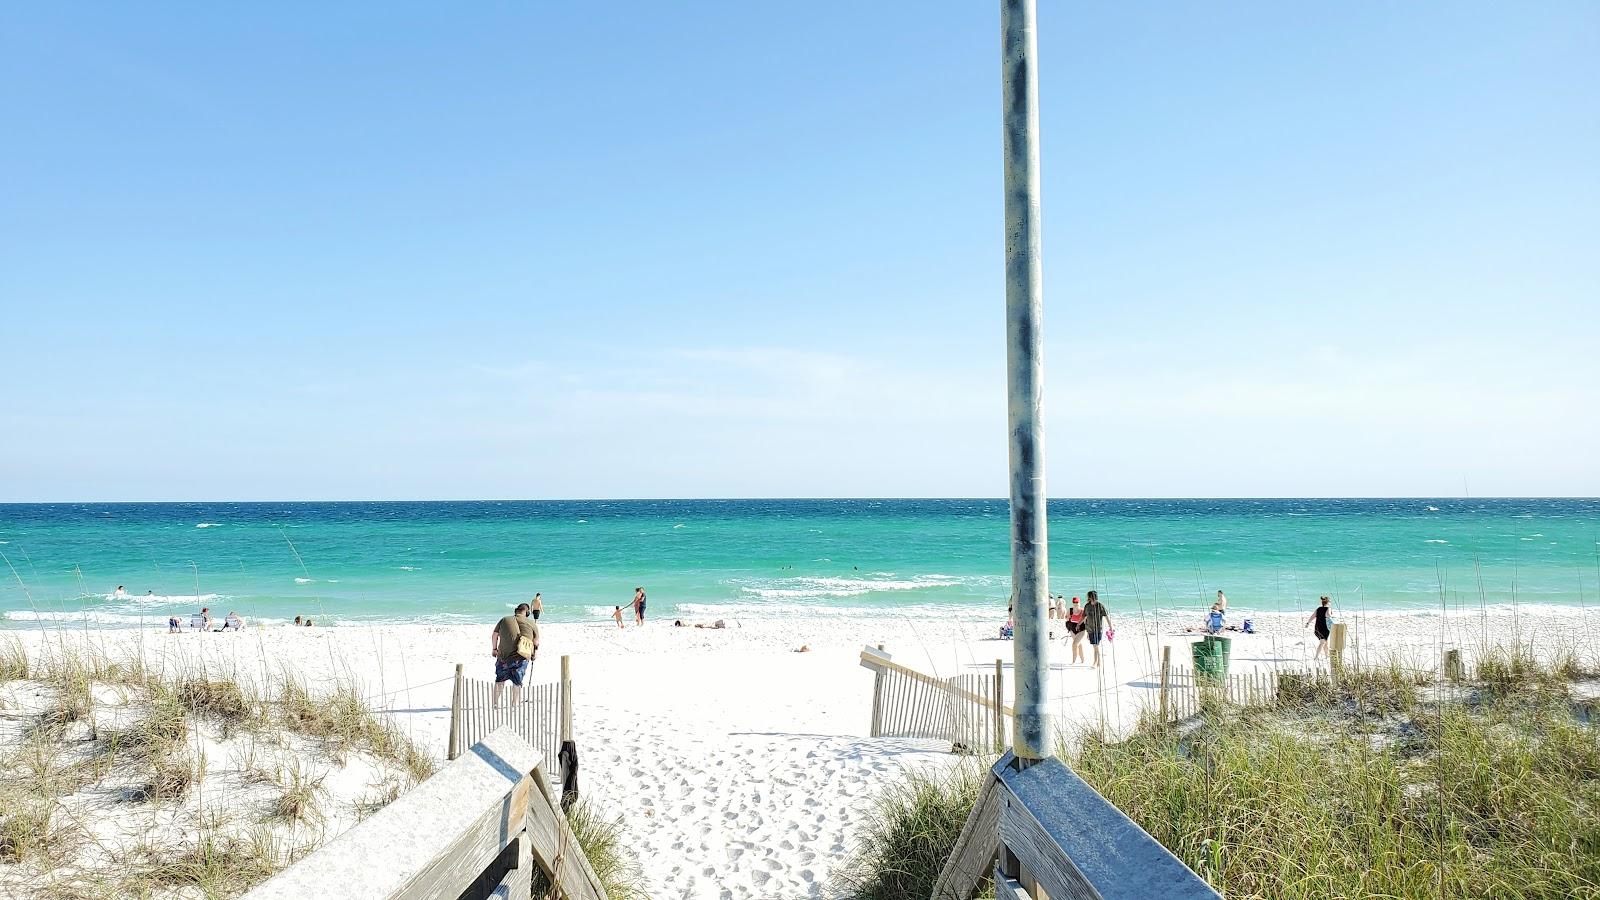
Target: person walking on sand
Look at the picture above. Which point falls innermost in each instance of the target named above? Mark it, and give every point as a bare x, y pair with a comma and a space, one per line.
616, 613
514, 641
1075, 628
1319, 616
538, 605
1095, 621
638, 606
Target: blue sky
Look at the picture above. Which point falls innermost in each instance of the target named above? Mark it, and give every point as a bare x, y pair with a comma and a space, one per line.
715, 249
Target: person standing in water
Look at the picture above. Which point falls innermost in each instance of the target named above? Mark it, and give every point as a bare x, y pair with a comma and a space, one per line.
538, 605
1095, 621
1319, 616
638, 606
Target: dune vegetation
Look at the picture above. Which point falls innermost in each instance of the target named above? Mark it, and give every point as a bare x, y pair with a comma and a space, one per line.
1389, 783
118, 780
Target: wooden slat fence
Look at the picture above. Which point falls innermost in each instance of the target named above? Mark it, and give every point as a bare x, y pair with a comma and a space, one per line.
966, 710
1186, 693
542, 718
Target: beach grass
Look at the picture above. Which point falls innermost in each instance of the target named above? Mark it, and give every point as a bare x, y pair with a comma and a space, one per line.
605, 846
142, 745
910, 830
1375, 787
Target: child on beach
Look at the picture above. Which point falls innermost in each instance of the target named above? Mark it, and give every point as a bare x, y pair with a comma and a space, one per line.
616, 613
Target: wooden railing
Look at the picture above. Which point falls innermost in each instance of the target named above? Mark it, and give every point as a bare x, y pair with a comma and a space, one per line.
1040, 831
967, 710
475, 830
542, 718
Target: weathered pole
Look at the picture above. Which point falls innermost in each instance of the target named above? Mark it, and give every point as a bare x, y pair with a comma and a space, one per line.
1025, 374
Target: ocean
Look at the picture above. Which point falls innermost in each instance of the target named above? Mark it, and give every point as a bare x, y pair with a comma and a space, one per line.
342, 563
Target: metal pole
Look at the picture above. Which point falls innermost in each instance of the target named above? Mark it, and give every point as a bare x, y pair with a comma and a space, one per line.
1025, 375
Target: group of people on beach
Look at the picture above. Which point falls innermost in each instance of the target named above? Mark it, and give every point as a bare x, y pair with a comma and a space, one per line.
1089, 619
1092, 619
202, 621
637, 605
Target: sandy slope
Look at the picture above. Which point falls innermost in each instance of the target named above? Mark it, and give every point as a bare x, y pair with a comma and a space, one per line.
740, 767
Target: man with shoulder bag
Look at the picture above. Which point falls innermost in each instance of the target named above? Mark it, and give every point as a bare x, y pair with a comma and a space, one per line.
514, 643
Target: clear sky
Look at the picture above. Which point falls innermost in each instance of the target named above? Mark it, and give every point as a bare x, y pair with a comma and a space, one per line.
398, 250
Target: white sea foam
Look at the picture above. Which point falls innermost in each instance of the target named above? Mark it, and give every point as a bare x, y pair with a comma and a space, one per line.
152, 599
811, 588
1435, 541
679, 525
304, 580
209, 525
1433, 509
408, 568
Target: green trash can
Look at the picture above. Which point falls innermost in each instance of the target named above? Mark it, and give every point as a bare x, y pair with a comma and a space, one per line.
1210, 656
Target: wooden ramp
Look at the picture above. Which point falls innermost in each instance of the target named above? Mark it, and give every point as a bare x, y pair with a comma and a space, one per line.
473, 831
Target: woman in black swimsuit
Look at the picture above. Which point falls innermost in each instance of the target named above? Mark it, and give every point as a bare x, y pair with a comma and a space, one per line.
1320, 629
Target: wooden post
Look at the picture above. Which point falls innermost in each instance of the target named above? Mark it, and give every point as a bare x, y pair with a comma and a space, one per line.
566, 698
1453, 669
1166, 677
455, 717
877, 701
999, 706
1336, 650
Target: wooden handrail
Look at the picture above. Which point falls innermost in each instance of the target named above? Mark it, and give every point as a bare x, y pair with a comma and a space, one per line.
479, 825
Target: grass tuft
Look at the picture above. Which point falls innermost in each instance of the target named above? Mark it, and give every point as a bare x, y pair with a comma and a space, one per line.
171, 778
603, 845
909, 834
300, 796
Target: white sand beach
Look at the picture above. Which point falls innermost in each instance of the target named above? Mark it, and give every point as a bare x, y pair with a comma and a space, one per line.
741, 768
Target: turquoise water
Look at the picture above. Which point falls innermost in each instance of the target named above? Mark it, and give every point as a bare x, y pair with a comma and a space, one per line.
350, 562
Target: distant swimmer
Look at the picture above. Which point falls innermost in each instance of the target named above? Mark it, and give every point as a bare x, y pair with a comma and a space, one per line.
119, 593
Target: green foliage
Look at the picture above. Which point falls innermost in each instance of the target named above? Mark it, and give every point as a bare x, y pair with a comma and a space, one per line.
909, 834
1374, 788
603, 845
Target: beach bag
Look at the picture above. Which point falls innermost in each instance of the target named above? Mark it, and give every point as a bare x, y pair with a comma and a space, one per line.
526, 647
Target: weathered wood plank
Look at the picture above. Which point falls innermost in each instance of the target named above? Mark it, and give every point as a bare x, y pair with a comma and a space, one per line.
1080, 847
972, 858
473, 809
556, 849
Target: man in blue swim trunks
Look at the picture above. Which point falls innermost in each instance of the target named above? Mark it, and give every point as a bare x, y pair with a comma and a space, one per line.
509, 664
